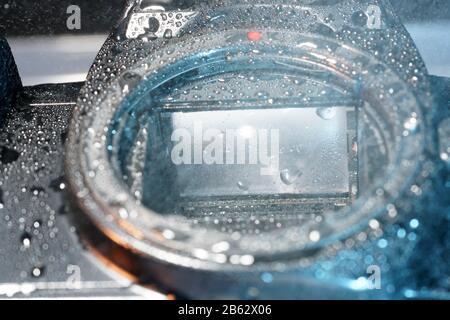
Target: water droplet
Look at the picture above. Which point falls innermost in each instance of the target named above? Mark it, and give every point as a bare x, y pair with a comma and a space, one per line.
168, 34
374, 224
36, 190
445, 156
123, 213
267, 277
253, 292
411, 124
247, 260
314, 236
37, 224
168, 234
326, 113
129, 80
220, 247
382, 243
57, 184
289, 176
25, 239
37, 272
414, 223
242, 186
359, 18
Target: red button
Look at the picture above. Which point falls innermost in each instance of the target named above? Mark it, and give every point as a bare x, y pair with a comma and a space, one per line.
254, 35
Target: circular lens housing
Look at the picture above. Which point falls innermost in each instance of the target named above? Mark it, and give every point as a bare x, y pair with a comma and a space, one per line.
226, 151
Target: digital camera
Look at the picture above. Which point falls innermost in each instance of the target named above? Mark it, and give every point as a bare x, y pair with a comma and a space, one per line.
263, 149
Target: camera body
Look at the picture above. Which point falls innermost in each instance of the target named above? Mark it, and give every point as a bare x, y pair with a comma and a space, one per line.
44, 256
55, 249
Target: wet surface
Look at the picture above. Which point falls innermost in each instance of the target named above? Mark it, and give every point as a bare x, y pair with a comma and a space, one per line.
43, 246
387, 241
42, 255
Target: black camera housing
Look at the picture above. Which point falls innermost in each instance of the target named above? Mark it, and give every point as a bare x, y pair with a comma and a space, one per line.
44, 250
